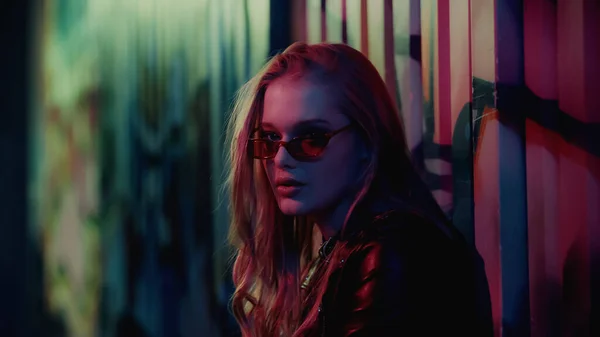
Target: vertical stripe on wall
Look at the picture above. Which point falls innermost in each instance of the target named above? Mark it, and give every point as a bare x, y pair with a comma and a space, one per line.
299, 20
376, 40
440, 164
313, 18
436, 155
353, 23
461, 118
412, 87
511, 151
334, 21
323, 20
389, 52
591, 30
364, 28
460, 60
572, 180
541, 151
485, 139
427, 32
345, 21
443, 123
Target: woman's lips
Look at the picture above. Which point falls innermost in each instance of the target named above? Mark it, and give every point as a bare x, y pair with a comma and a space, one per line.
289, 191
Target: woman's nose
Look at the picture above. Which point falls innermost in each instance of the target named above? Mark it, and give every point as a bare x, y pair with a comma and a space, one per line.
284, 159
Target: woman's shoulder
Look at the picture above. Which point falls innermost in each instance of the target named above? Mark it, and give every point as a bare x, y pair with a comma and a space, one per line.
408, 239
405, 229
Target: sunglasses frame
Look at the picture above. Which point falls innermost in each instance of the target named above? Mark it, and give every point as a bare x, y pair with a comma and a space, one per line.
286, 144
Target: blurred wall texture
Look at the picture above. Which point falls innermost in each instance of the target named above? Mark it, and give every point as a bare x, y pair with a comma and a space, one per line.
129, 104
127, 101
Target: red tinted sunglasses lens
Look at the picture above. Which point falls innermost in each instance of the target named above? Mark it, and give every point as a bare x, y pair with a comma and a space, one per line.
308, 147
262, 148
298, 148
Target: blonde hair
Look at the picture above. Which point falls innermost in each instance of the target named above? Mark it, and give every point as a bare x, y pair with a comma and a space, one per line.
272, 249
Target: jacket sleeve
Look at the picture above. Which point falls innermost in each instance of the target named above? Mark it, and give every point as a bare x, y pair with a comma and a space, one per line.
377, 302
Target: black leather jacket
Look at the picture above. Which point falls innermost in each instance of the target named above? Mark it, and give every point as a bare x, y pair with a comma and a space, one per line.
406, 276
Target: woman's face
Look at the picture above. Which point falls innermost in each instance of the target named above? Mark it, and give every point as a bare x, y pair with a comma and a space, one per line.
309, 186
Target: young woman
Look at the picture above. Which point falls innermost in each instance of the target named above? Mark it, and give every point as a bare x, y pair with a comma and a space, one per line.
317, 147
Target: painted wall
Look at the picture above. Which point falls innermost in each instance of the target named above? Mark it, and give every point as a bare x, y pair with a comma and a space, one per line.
129, 102
498, 102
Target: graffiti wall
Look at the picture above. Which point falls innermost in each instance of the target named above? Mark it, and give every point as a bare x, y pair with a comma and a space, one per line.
130, 102
498, 102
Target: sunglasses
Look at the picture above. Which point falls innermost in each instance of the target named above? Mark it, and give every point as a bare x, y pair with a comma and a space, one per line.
300, 148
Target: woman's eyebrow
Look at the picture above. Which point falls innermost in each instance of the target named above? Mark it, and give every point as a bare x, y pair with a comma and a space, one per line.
315, 121
307, 122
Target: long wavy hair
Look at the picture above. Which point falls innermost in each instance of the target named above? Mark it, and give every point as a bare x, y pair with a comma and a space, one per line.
272, 250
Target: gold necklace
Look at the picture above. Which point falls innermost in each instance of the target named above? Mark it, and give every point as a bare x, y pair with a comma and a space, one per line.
324, 251
311, 271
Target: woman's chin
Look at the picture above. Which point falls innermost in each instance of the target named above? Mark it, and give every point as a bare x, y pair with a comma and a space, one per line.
293, 207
